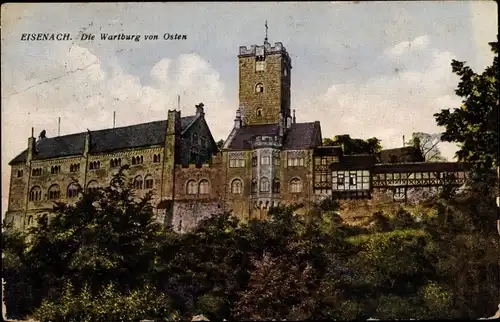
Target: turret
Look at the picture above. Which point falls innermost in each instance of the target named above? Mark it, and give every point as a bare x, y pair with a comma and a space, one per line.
199, 110
237, 119
31, 146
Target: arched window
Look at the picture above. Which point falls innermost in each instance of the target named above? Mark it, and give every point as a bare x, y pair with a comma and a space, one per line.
195, 138
133, 160
191, 187
259, 88
142, 159
254, 185
19, 173
236, 186
54, 192
138, 182
259, 112
35, 194
295, 186
30, 220
276, 186
194, 155
204, 187
112, 163
148, 182
73, 190
264, 185
92, 186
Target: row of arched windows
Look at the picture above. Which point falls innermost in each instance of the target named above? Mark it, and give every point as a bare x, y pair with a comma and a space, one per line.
137, 160
194, 188
115, 162
74, 167
36, 172
146, 183
265, 186
156, 158
94, 165
54, 192
55, 169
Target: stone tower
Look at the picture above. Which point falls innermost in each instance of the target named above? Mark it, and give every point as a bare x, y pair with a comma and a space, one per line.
264, 84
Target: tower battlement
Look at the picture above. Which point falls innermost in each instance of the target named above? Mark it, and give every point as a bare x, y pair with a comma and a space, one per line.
278, 48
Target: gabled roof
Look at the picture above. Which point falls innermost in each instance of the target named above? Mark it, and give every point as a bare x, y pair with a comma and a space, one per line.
298, 136
107, 140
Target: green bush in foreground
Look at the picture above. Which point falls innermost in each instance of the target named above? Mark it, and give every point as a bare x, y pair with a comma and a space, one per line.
108, 305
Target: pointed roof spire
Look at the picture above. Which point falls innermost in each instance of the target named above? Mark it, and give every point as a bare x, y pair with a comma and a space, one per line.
265, 39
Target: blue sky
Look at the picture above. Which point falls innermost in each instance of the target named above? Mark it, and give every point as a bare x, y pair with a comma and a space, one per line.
368, 69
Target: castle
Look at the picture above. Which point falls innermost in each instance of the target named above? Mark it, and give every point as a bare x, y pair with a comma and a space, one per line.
268, 159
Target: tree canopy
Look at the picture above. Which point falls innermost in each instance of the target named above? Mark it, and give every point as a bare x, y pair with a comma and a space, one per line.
105, 258
355, 146
428, 146
474, 125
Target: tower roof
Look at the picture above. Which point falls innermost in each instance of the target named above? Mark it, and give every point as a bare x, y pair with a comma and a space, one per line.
298, 136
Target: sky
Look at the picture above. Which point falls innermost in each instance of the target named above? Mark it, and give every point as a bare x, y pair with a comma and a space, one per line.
368, 69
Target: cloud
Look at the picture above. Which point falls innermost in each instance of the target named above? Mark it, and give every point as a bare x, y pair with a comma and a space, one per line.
390, 106
76, 88
403, 47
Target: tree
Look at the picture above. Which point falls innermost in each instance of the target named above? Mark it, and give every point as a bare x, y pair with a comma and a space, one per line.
355, 146
107, 236
474, 126
428, 145
220, 144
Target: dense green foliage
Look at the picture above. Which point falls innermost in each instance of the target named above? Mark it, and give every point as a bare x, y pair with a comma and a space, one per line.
474, 126
355, 146
106, 259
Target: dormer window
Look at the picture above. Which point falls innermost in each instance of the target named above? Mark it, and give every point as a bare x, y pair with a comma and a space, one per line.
259, 88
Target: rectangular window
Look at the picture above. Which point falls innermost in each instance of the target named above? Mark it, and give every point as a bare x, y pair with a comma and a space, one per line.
400, 194
323, 161
323, 177
295, 162
265, 160
352, 179
276, 161
260, 66
237, 163
340, 179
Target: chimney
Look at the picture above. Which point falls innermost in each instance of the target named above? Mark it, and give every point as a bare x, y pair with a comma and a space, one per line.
86, 146
237, 119
199, 110
293, 118
31, 146
174, 122
281, 125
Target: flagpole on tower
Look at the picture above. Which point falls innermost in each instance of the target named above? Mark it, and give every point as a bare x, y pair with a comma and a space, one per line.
265, 39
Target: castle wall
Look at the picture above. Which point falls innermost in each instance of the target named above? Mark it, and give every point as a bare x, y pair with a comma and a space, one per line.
304, 173
191, 206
